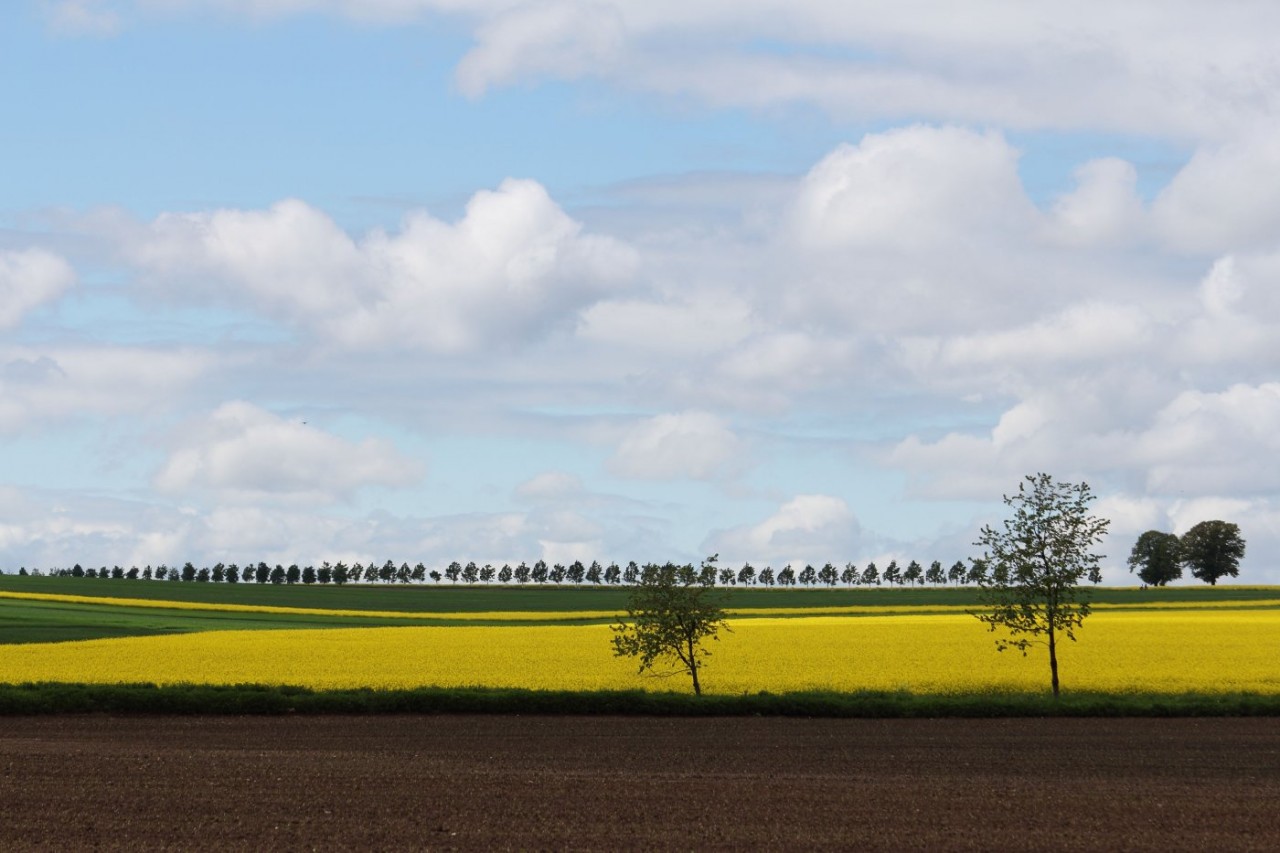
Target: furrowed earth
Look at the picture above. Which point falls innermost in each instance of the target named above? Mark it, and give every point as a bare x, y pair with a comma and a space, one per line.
525, 782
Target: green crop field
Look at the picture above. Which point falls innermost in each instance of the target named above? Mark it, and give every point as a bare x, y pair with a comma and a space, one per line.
54, 621
533, 598
26, 621
410, 598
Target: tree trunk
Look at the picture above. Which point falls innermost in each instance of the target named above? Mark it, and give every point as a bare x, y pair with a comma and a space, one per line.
1053, 661
693, 669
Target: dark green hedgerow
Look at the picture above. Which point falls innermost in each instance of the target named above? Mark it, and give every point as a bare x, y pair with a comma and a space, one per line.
258, 699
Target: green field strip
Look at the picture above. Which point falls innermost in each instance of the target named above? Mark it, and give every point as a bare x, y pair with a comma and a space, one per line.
23, 621
533, 598
407, 598
36, 621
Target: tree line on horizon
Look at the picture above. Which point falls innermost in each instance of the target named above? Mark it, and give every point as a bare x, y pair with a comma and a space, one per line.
1210, 550
576, 573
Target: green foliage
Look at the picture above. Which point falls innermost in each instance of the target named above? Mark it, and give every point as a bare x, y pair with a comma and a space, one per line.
1212, 550
254, 699
669, 615
1158, 558
828, 575
1038, 560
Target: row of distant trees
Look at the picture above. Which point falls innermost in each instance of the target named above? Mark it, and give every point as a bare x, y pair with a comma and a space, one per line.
575, 573
1210, 550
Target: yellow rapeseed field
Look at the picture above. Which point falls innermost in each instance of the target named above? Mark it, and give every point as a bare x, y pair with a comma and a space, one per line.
1165, 651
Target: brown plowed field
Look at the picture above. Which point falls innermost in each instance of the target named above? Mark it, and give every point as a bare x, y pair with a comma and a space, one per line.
607, 783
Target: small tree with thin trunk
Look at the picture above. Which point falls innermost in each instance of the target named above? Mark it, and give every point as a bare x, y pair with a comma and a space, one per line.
1038, 560
669, 615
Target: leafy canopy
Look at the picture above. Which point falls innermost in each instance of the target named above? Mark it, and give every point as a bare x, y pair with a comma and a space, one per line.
1158, 558
1037, 560
1213, 549
669, 615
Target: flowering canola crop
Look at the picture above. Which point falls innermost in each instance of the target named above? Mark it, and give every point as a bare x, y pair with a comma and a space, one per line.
1163, 651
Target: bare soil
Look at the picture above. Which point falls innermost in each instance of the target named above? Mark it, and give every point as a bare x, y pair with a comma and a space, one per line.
608, 783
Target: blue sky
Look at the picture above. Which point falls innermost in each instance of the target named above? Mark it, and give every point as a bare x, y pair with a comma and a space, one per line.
794, 282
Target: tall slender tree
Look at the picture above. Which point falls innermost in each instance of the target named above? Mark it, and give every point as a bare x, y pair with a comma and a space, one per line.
1039, 557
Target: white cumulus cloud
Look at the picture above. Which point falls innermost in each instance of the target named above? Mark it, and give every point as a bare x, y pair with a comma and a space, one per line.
1104, 208
28, 279
511, 268
805, 529
1225, 442
245, 452
911, 188
687, 445
1227, 198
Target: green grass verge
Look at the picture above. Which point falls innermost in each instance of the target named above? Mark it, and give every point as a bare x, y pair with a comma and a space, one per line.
32, 699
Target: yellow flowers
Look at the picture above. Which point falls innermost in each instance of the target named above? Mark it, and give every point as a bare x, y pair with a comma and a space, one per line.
1200, 649
568, 657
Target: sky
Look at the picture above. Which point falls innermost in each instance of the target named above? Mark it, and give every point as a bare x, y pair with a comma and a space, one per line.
790, 281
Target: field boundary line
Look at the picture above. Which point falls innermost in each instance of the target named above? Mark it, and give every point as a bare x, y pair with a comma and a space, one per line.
165, 604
